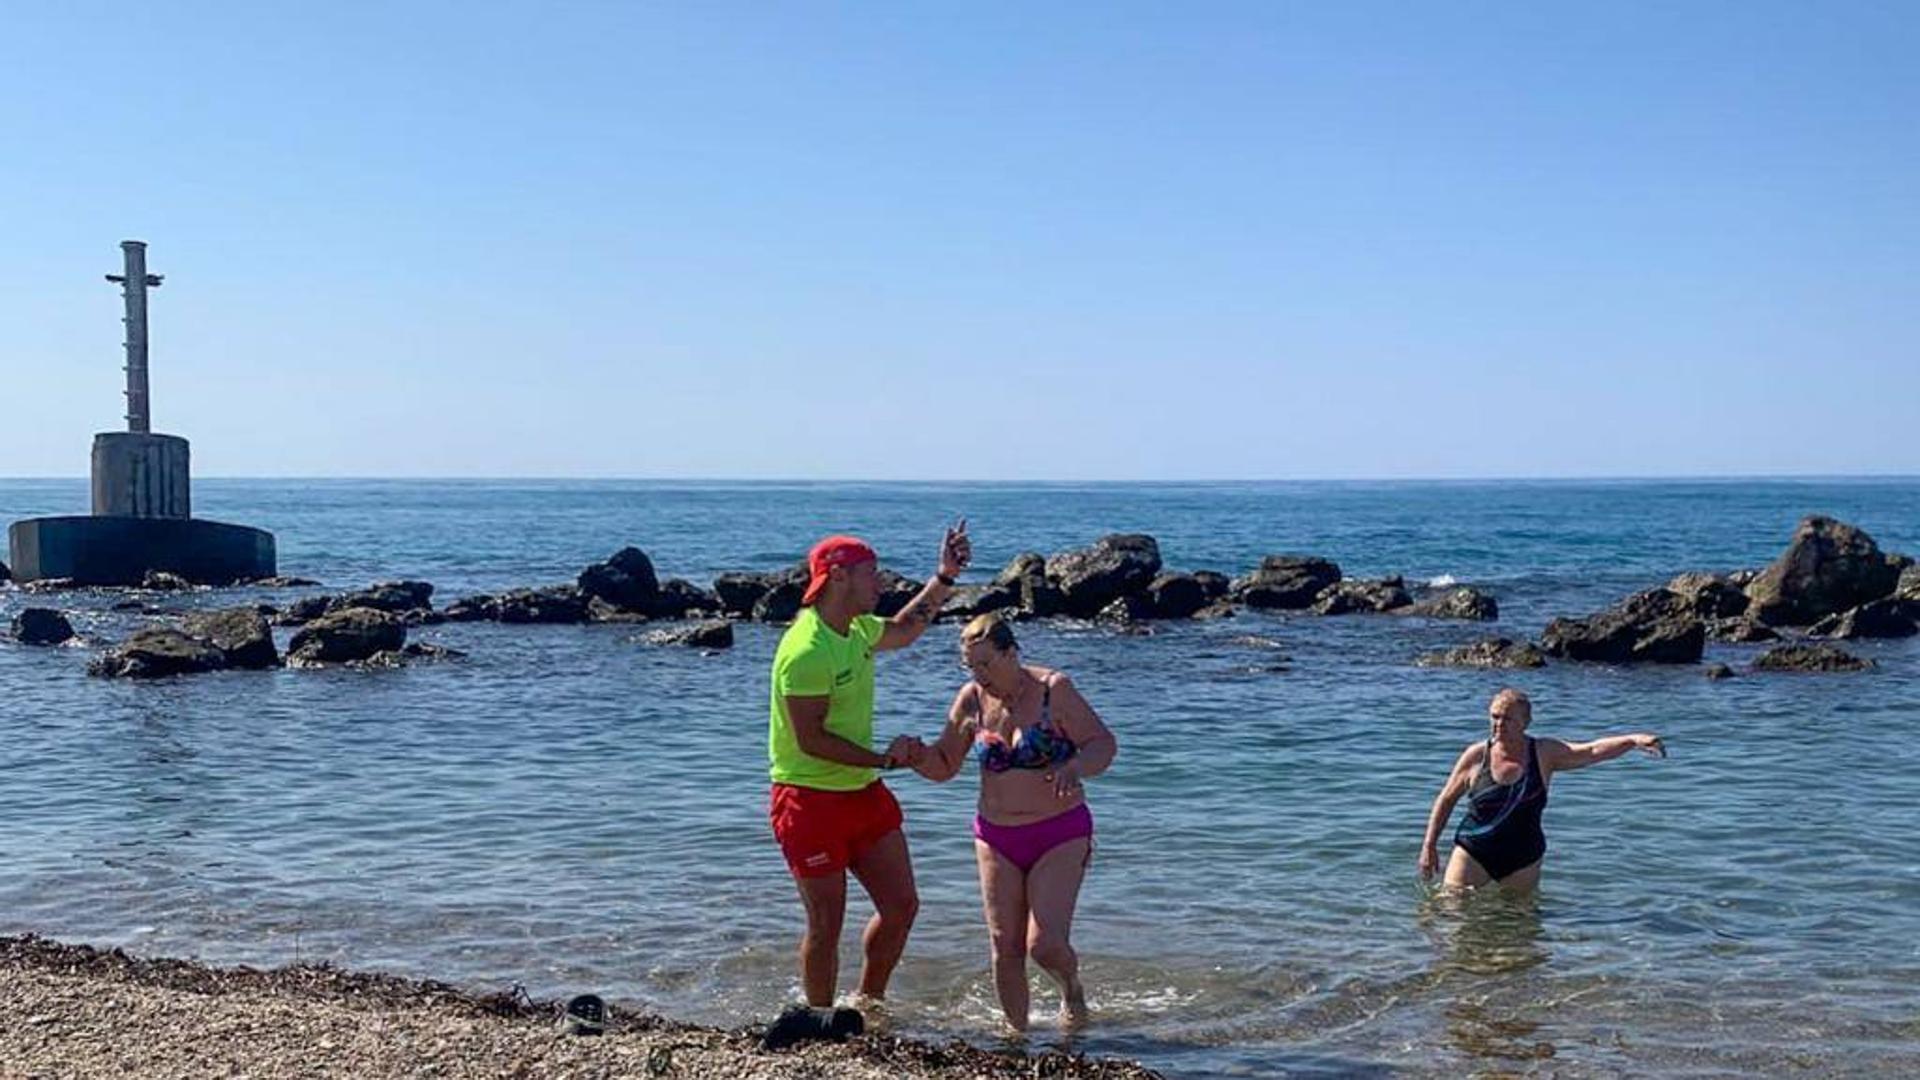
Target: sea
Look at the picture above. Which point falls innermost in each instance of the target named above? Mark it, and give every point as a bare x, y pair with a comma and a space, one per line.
573, 809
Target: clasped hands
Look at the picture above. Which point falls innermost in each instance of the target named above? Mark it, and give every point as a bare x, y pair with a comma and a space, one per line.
905, 750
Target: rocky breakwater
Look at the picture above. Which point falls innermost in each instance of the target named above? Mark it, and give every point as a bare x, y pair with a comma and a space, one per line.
233, 638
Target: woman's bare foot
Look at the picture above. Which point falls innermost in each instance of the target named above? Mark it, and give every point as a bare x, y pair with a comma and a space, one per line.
1073, 1007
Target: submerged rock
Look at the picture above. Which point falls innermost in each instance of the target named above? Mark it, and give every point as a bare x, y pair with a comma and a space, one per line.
155, 653
1719, 671
394, 597
41, 626
1886, 618
1350, 596
1090, 578
710, 634
1828, 567
1742, 630
1458, 602
337, 637
164, 581
1810, 658
1286, 582
280, 581
413, 653
240, 635
1655, 626
1487, 653
553, 604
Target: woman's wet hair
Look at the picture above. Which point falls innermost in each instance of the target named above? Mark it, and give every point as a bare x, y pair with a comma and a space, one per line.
991, 628
1515, 700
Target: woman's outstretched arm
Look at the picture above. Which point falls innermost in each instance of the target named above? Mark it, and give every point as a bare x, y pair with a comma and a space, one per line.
1557, 756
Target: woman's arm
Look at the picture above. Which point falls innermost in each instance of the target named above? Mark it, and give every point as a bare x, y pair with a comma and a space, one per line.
942, 760
1557, 756
1096, 744
1443, 804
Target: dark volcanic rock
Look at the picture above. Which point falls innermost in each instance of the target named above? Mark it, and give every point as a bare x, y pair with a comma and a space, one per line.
1828, 568
1348, 597
1040, 598
1743, 630
1213, 583
394, 597
599, 611
680, 597
1286, 582
553, 604
1908, 587
739, 592
781, 603
1176, 596
478, 608
353, 633
626, 581
156, 653
1719, 671
1459, 602
164, 581
307, 608
280, 581
1027, 564
1886, 618
1711, 596
41, 626
1487, 653
1125, 611
896, 592
1654, 626
1219, 609
240, 634
970, 600
712, 634
1809, 658
1090, 578
6, 575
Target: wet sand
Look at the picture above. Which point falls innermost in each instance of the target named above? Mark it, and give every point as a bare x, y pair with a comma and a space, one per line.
76, 1011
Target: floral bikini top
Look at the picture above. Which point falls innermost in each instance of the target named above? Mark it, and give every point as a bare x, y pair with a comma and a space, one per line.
1038, 746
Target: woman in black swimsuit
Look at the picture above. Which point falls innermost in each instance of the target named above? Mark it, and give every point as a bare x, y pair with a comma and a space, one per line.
1505, 782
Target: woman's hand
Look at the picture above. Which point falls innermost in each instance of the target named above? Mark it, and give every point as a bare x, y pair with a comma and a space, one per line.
1651, 744
1429, 861
1066, 781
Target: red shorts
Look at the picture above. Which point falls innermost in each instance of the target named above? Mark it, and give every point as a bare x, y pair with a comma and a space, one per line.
822, 832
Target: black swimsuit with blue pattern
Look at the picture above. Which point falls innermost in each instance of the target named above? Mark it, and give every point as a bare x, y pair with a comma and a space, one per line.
1502, 827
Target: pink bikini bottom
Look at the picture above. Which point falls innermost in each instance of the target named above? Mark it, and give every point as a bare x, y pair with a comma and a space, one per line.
1024, 844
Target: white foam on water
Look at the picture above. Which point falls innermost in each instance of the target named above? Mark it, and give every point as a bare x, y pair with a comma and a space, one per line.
1444, 581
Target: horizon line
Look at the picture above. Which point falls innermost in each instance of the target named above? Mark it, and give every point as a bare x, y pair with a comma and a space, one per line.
984, 481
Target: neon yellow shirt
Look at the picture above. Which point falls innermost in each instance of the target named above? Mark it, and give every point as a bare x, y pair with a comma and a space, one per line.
813, 661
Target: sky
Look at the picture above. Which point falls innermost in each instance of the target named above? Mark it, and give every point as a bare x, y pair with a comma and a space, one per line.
970, 241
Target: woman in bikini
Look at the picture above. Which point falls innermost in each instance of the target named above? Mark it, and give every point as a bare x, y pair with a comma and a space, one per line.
1037, 740
1505, 782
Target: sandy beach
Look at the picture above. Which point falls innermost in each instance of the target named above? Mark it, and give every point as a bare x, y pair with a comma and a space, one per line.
76, 1011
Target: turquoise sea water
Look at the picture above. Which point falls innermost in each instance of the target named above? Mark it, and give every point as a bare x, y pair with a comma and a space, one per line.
569, 809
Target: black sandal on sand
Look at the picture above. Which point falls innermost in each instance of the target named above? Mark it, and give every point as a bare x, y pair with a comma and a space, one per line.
803, 1023
586, 1015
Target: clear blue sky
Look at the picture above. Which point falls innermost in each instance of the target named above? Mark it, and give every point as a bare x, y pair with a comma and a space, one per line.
969, 240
